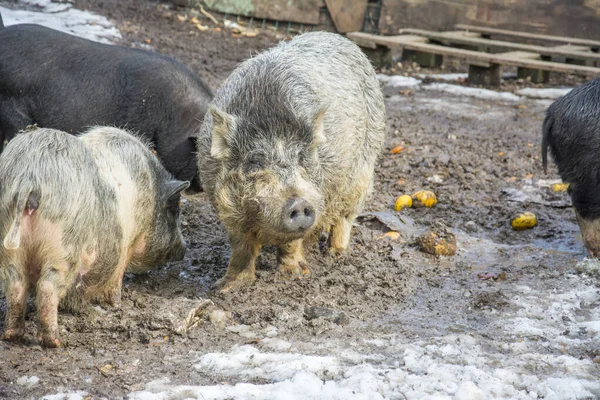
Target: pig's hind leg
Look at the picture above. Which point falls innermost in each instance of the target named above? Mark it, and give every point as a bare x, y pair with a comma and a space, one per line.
16, 304
52, 286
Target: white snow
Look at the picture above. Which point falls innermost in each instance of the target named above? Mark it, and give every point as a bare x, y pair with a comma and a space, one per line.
398, 81
483, 94
78, 395
29, 381
529, 357
544, 96
62, 17
444, 77
548, 93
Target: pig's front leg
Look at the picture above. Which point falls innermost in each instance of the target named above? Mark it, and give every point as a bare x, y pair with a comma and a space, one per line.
290, 259
242, 264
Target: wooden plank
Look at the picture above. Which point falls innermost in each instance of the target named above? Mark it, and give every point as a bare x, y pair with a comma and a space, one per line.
522, 54
300, 11
453, 38
527, 35
570, 47
469, 55
369, 43
347, 15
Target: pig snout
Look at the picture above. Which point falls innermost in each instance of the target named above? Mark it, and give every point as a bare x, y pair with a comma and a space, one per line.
298, 215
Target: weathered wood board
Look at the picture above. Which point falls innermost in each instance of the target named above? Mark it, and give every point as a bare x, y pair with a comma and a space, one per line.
555, 17
347, 15
300, 11
516, 35
449, 38
473, 57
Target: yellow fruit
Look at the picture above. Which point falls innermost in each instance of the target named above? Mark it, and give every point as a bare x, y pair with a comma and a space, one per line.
403, 202
560, 187
527, 220
425, 198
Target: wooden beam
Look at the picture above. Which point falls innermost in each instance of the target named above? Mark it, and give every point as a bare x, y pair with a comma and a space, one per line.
456, 38
526, 35
471, 56
522, 54
570, 47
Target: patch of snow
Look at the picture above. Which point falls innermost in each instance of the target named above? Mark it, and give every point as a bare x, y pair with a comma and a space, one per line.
529, 358
459, 76
549, 93
444, 77
276, 344
590, 266
455, 107
398, 81
62, 17
484, 94
78, 395
29, 381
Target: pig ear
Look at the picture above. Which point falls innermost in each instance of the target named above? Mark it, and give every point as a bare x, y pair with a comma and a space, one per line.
175, 187
318, 127
223, 125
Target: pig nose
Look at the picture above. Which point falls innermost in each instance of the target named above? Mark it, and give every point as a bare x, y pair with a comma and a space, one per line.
298, 215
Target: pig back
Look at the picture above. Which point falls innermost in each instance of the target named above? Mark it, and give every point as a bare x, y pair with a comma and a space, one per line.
57, 170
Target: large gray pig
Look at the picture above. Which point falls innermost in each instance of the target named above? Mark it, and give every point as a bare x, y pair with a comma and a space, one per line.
288, 148
75, 214
60, 81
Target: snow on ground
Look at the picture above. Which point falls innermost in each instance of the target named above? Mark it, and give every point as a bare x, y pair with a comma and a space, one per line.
398, 80
550, 93
483, 94
444, 77
62, 17
456, 77
469, 366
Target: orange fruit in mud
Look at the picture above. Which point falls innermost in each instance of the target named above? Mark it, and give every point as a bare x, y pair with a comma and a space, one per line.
559, 187
526, 220
424, 198
403, 202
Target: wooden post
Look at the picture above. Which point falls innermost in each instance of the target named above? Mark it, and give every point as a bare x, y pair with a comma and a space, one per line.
425, 60
485, 76
380, 56
535, 75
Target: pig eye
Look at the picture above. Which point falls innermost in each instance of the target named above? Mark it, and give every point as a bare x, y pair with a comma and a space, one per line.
255, 163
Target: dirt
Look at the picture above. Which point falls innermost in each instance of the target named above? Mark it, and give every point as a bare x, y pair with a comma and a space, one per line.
381, 285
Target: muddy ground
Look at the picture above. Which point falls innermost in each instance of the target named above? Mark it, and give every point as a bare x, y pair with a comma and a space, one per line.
381, 286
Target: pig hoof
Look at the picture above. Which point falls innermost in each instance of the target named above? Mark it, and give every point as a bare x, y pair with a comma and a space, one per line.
49, 341
227, 284
13, 335
113, 299
336, 251
294, 270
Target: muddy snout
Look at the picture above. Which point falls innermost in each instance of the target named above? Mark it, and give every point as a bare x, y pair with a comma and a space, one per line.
298, 215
